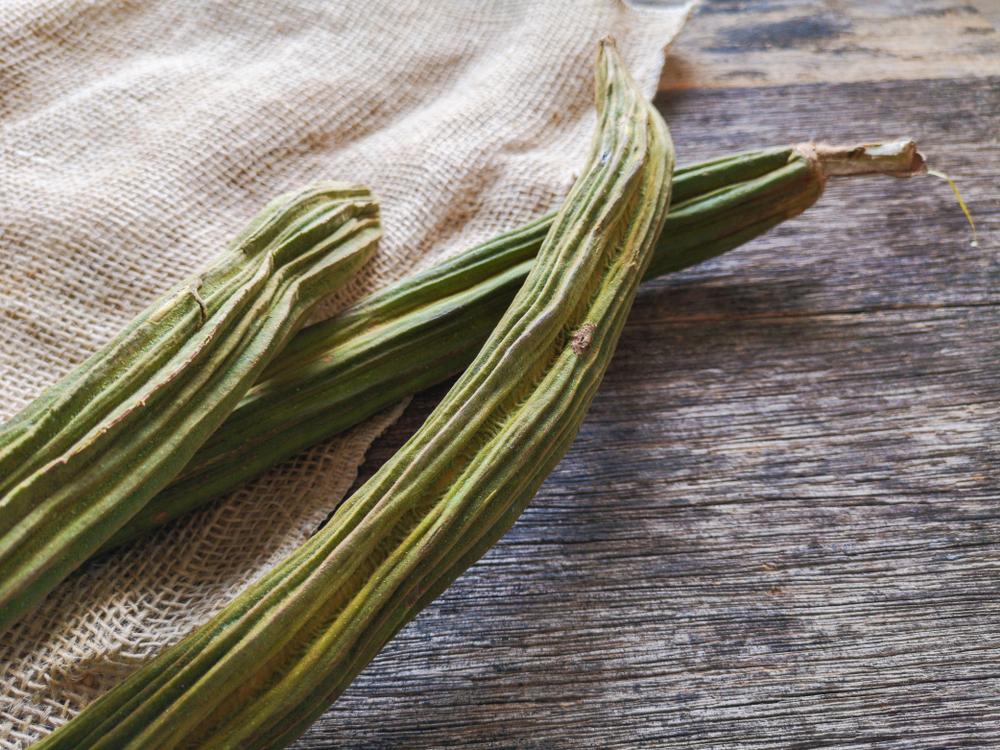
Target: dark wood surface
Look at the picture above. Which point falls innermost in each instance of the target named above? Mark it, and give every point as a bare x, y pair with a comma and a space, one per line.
779, 526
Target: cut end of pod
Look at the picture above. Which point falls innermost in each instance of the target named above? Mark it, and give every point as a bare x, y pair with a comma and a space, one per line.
896, 158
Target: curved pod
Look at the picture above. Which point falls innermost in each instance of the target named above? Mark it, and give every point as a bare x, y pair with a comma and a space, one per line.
259, 672
93, 449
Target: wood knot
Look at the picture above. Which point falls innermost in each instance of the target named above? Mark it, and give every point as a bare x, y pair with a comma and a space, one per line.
582, 338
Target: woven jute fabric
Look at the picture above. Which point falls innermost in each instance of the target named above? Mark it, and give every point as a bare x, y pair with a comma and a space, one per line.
137, 137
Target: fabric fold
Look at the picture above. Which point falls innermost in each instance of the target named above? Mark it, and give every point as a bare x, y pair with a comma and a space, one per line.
136, 140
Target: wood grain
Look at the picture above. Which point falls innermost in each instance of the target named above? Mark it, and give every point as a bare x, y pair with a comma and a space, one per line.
735, 43
779, 526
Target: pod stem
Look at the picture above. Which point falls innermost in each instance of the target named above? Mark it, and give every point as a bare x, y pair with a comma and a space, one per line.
896, 158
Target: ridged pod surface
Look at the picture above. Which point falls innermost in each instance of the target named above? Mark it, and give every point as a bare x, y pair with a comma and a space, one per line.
265, 667
426, 328
93, 449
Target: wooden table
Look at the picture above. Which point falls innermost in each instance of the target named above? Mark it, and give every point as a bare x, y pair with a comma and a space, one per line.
779, 526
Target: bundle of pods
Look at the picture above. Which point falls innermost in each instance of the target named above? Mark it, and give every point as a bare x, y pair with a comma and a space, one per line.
211, 385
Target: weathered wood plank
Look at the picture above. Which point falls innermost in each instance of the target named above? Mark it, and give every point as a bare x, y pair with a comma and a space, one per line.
871, 243
774, 532
779, 526
733, 43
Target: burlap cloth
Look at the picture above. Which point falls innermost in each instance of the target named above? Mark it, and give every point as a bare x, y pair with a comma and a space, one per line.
137, 138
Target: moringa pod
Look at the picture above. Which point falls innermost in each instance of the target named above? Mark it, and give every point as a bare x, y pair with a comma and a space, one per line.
92, 450
424, 329
257, 674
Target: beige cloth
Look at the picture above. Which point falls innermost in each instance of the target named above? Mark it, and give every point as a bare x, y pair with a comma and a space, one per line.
137, 138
